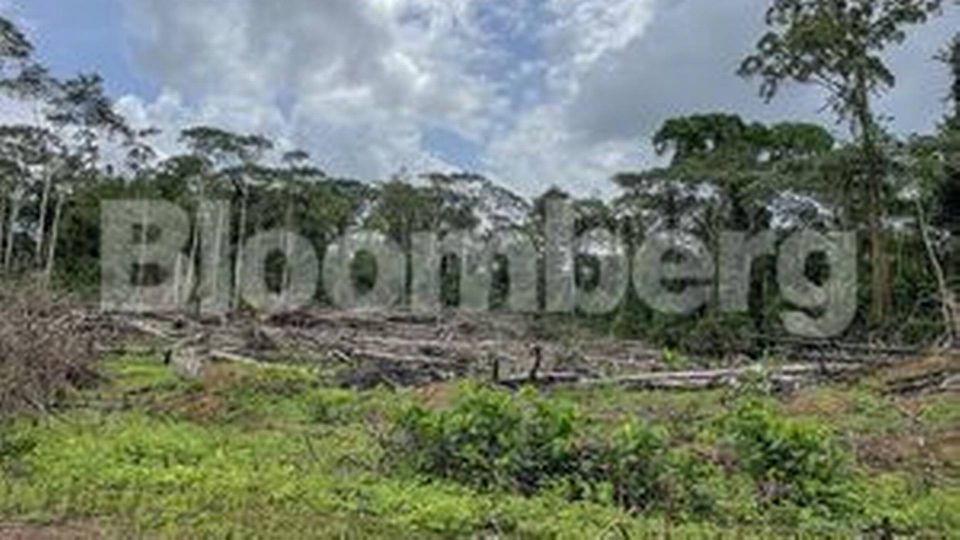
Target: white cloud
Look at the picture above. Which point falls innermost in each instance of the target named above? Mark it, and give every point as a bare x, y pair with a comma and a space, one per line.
543, 147
540, 152
546, 91
354, 81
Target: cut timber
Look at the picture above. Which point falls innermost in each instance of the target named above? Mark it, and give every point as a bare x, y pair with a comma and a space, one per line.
691, 380
148, 329
233, 358
930, 374
933, 381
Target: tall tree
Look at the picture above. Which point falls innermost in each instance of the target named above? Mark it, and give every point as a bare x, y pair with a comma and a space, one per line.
403, 209
235, 157
29, 153
296, 170
951, 57
83, 114
744, 161
77, 112
948, 149
838, 45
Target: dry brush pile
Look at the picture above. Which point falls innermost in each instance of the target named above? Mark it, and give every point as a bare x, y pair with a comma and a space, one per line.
47, 348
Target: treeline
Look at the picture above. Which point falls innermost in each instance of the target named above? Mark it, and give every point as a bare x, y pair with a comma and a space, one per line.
73, 150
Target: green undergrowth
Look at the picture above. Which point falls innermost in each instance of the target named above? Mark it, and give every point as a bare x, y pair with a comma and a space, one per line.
280, 453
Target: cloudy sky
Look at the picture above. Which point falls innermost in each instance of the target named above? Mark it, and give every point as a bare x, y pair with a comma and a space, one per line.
531, 92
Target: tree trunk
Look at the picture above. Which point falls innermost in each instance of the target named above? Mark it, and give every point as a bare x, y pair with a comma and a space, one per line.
52, 242
194, 259
11, 231
142, 258
947, 301
238, 263
879, 271
879, 289
177, 280
42, 222
3, 220
287, 248
194, 255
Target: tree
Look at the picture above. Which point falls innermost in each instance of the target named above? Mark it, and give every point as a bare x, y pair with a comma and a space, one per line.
28, 153
140, 156
235, 157
292, 179
837, 45
15, 49
744, 161
14, 45
81, 111
922, 170
76, 111
951, 57
403, 209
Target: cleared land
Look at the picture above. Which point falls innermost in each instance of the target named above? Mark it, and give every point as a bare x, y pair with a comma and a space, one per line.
316, 440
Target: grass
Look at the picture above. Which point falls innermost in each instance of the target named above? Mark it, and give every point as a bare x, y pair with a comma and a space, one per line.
278, 454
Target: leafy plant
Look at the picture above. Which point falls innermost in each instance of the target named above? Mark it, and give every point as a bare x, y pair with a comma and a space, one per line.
791, 461
492, 439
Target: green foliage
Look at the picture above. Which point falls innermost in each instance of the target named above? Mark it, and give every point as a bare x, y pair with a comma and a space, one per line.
14, 45
674, 360
489, 439
833, 44
331, 406
14, 445
642, 470
493, 440
791, 461
308, 461
631, 318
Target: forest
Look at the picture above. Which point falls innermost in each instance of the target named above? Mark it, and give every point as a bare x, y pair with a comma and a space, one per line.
725, 173
630, 424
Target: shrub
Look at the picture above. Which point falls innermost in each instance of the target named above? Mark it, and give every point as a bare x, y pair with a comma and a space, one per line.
792, 462
14, 445
714, 334
492, 439
45, 350
331, 406
646, 472
635, 464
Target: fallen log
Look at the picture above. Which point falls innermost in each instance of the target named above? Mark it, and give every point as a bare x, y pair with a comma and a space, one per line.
933, 381
952, 384
785, 376
361, 355
148, 329
233, 358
